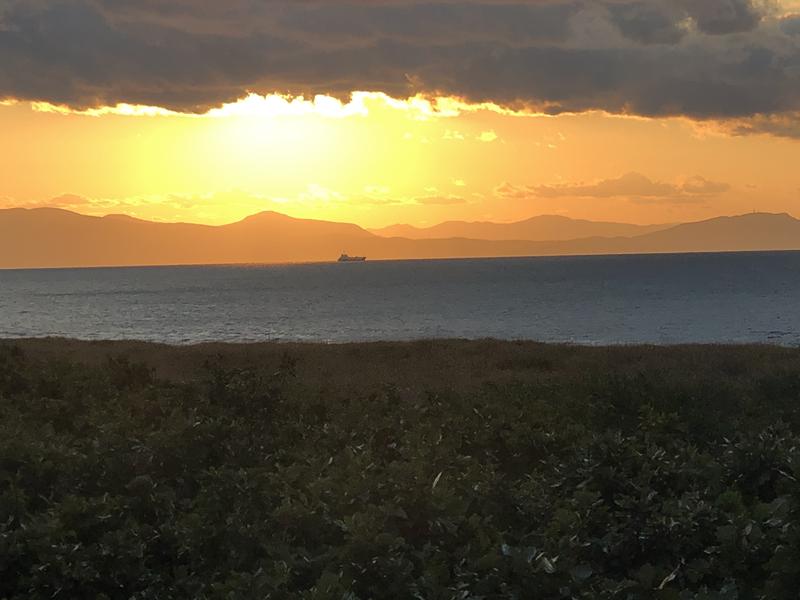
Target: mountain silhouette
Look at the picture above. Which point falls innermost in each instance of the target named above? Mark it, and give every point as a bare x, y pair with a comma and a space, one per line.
48, 237
536, 229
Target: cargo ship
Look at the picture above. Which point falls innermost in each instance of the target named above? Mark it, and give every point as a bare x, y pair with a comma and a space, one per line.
348, 258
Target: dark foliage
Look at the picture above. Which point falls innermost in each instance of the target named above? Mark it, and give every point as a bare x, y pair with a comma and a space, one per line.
249, 483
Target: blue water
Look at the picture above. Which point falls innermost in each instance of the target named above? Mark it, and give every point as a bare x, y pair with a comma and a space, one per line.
741, 297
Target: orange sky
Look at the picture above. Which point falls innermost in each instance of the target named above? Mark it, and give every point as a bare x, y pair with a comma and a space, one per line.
378, 161
381, 164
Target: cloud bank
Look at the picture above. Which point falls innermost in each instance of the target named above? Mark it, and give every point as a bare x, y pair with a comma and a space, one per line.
709, 59
631, 185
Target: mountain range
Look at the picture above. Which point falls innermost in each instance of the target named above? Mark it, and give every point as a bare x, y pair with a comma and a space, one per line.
544, 228
49, 237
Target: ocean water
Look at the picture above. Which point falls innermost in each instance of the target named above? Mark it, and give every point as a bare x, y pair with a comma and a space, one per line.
738, 297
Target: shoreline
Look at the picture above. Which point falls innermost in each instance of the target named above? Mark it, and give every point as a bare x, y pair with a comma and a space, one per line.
426, 362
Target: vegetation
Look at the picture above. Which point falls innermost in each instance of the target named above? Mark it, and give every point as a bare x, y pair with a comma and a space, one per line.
504, 470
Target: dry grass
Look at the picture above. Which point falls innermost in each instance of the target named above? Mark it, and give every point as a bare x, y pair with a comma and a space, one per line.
459, 365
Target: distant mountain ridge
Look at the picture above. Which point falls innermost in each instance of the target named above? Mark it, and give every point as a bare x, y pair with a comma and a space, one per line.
48, 237
543, 228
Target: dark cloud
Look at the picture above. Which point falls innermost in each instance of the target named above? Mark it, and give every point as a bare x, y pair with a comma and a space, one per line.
648, 22
668, 21
791, 25
718, 17
711, 59
783, 125
337, 22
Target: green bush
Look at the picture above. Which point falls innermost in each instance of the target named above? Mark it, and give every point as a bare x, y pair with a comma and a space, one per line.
643, 482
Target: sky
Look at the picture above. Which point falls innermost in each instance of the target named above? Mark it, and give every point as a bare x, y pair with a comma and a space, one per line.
401, 111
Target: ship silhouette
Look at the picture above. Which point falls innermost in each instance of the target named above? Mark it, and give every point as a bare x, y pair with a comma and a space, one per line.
347, 258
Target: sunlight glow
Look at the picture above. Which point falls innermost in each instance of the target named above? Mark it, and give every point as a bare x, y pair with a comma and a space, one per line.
126, 110
276, 105
377, 160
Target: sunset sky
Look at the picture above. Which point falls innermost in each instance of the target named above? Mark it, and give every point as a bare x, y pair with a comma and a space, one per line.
393, 111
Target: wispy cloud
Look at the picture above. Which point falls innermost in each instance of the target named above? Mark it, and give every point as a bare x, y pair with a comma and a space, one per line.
632, 185
455, 136
440, 200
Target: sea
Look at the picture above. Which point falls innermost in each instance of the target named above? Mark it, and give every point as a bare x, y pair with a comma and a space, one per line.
643, 299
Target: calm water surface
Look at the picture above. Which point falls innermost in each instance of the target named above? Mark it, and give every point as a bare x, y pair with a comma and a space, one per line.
741, 297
